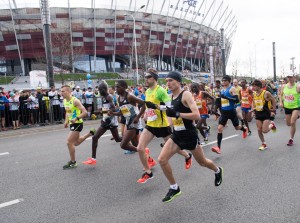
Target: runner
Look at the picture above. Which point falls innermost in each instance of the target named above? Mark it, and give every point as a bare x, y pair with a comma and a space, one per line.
238, 104
157, 124
200, 97
228, 99
75, 111
216, 93
247, 97
183, 111
128, 109
108, 122
289, 100
264, 105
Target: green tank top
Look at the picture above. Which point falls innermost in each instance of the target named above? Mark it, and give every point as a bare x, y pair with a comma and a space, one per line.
291, 97
71, 110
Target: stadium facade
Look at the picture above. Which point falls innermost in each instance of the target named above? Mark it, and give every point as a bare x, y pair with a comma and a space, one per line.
169, 34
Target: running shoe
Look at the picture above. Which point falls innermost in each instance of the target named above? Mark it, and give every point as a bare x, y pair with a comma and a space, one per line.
146, 176
202, 143
70, 165
171, 195
290, 143
245, 133
92, 131
208, 130
128, 152
90, 161
206, 140
219, 177
263, 147
216, 149
249, 133
151, 162
273, 128
188, 161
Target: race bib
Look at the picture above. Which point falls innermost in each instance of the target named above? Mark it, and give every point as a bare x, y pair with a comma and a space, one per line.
224, 102
105, 112
289, 98
259, 105
199, 104
151, 115
245, 100
178, 124
125, 111
68, 111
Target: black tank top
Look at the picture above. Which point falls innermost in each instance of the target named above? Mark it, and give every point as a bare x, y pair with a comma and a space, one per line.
179, 107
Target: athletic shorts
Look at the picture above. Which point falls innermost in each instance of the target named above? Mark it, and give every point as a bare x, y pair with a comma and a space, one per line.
237, 105
262, 116
186, 139
77, 127
230, 114
246, 110
2, 113
204, 116
159, 132
122, 120
289, 111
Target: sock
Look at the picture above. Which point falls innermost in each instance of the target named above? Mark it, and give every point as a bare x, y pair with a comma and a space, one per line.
174, 186
218, 171
243, 128
242, 121
89, 114
220, 136
190, 155
93, 158
73, 161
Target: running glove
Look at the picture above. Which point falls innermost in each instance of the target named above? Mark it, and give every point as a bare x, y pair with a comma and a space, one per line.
172, 113
150, 105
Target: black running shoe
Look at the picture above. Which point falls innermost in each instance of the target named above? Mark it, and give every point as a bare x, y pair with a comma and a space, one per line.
218, 177
171, 195
70, 165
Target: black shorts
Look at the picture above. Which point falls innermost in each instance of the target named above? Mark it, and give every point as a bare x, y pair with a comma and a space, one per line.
289, 111
77, 127
230, 114
262, 116
122, 120
186, 139
159, 132
2, 113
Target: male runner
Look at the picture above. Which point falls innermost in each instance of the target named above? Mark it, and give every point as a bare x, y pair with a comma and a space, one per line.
216, 93
246, 103
183, 111
289, 100
263, 111
108, 122
228, 100
238, 104
157, 123
75, 111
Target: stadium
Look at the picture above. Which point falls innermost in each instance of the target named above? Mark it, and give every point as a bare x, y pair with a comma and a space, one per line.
116, 36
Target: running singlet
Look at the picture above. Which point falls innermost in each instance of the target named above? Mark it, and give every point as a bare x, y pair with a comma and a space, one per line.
105, 109
225, 103
260, 103
181, 124
71, 110
201, 104
129, 112
155, 117
291, 97
246, 98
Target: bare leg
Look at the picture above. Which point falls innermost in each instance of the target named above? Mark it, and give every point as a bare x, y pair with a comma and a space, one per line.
145, 139
72, 138
127, 137
200, 158
96, 137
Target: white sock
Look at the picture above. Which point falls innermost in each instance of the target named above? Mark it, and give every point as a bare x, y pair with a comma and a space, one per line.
174, 186
218, 171
93, 158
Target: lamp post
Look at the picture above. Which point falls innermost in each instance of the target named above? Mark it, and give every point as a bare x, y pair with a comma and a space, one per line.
135, 47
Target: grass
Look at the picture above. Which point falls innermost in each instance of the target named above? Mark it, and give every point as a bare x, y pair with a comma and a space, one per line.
73, 77
6, 80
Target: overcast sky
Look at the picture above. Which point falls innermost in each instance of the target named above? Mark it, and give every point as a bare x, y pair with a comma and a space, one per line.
273, 21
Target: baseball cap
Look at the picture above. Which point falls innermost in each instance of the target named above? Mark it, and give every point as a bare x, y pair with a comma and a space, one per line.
11, 94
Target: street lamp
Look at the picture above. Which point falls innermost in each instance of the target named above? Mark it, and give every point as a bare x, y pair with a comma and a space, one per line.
135, 47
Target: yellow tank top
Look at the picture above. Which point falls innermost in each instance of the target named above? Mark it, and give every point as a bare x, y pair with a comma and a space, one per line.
71, 110
260, 102
155, 117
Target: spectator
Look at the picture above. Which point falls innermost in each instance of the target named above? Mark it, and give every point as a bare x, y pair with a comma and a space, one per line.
89, 95
3, 103
42, 105
54, 103
14, 110
24, 111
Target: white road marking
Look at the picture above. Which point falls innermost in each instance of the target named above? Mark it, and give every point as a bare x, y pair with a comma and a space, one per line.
229, 137
11, 203
6, 153
89, 138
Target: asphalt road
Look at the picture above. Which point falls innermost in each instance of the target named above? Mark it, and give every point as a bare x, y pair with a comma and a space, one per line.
257, 186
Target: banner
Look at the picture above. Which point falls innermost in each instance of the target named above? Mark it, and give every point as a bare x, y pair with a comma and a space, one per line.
38, 78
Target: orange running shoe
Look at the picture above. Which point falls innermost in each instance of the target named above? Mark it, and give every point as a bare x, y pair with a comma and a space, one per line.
188, 162
146, 176
90, 161
245, 133
151, 162
216, 149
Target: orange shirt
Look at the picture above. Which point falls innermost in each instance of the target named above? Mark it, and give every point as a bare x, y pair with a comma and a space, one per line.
201, 104
246, 101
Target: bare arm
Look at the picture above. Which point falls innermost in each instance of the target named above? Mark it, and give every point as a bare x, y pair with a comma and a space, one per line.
134, 100
78, 104
188, 101
269, 97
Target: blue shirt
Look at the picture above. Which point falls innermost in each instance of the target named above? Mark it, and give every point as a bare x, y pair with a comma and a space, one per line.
225, 103
3, 100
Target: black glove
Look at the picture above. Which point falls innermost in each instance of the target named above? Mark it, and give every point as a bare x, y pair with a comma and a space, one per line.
106, 123
150, 105
172, 113
223, 96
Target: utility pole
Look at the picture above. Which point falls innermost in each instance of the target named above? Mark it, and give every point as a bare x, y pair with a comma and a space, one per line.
223, 51
45, 15
274, 61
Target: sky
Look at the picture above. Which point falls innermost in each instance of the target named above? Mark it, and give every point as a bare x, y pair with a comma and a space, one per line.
261, 22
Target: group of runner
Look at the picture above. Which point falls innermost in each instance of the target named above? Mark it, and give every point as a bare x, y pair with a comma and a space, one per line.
183, 110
